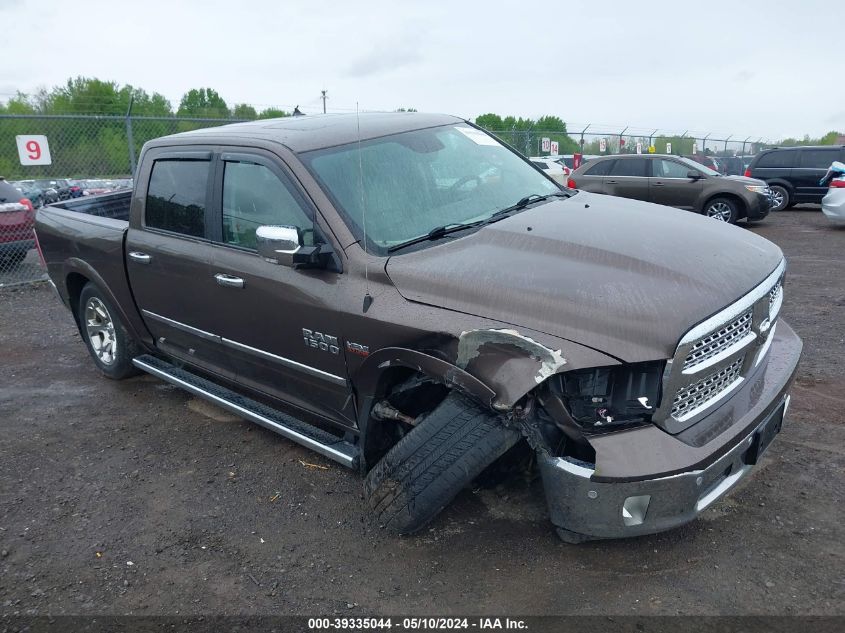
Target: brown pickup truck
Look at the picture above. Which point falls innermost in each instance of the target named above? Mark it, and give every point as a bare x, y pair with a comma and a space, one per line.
406, 295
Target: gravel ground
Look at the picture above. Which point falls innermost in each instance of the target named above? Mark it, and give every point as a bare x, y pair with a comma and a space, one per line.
134, 497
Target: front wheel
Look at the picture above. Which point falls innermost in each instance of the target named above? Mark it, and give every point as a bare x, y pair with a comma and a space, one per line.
428, 467
109, 343
780, 197
722, 209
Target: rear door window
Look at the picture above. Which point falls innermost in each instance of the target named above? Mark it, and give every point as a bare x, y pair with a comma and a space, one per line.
637, 167
176, 197
601, 168
818, 158
540, 164
777, 159
664, 168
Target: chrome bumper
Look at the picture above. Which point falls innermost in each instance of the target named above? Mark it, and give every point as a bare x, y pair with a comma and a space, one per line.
586, 506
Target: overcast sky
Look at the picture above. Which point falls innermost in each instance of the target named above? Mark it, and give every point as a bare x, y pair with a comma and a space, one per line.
742, 67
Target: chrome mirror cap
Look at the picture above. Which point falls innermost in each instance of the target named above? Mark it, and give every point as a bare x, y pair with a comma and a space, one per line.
278, 244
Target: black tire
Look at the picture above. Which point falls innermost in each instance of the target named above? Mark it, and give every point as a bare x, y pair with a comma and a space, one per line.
424, 471
781, 193
722, 209
113, 335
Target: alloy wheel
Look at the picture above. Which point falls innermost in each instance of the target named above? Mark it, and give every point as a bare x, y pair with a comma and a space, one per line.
100, 329
778, 199
719, 211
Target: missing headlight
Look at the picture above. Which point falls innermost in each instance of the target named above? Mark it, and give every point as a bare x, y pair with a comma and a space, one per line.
609, 398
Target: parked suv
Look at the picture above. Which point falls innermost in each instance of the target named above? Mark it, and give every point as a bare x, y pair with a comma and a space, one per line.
793, 173
676, 182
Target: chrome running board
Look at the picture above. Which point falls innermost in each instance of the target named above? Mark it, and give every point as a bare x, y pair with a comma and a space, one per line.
316, 439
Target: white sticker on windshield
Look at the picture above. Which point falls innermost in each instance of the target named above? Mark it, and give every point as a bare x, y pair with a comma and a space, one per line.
476, 136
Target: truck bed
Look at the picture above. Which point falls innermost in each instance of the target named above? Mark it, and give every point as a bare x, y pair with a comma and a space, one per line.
109, 205
83, 240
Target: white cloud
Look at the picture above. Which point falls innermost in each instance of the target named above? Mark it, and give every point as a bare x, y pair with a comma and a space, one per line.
661, 64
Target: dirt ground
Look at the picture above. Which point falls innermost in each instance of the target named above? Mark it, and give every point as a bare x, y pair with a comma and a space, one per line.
135, 498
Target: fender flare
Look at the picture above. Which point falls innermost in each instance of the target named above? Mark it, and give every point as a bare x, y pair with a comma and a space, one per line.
777, 180
367, 376
81, 267
742, 206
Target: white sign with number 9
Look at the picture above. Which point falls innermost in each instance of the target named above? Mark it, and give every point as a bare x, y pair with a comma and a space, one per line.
33, 150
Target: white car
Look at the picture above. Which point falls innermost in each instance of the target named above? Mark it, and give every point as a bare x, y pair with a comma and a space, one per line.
551, 167
833, 204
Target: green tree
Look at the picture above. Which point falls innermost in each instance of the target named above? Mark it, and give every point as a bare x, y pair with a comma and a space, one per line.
19, 104
525, 134
680, 144
203, 102
831, 138
144, 104
273, 113
490, 122
244, 111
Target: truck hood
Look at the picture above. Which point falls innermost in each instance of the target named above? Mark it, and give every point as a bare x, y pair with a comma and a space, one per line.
626, 278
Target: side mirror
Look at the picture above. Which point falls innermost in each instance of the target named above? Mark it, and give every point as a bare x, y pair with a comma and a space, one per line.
283, 245
694, 174
278, 244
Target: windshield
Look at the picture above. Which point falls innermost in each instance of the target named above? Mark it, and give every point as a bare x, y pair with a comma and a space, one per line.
694, 165
413, 182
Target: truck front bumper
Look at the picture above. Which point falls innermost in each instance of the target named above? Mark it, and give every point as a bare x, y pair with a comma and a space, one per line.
584, 505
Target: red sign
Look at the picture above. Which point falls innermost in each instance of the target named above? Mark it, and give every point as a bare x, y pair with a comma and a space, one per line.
576, 161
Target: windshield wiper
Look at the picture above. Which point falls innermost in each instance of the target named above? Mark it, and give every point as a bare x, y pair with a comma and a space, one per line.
524, 202
440, 231
436, 233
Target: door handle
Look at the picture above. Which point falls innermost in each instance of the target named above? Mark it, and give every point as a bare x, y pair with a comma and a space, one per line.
229, 281
658, 184
610, 182
138, 256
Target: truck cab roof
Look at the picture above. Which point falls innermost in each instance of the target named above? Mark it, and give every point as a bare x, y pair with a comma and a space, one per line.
311, 132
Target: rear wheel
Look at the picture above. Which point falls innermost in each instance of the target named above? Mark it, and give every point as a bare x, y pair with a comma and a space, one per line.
424, 471
109, 343
780, 197
722, 209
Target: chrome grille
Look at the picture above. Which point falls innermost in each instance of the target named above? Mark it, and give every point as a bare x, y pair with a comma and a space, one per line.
775, 296
696, 395
719, 340
714, 356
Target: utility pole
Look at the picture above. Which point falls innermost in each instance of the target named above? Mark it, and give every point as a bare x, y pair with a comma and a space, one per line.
323, 97
130, 142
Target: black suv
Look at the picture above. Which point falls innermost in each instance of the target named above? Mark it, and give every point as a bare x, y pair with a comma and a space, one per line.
793, 173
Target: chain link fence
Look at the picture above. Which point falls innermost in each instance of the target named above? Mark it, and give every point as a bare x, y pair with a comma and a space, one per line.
93, 154
89, 155
730, 155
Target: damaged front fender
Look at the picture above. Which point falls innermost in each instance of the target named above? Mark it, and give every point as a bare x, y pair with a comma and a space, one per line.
511, 362
495, 366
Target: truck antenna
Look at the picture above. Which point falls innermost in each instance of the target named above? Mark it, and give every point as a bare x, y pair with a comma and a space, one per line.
368, 299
